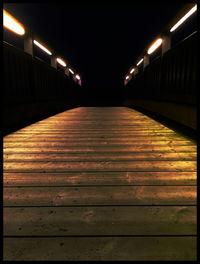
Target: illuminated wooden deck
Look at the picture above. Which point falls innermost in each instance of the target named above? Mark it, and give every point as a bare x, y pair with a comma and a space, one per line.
99, 183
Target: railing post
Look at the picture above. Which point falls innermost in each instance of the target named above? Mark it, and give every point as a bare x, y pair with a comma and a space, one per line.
28, 42
74, 78
67, 71
166, 45
136, 71
146, 61
53, 61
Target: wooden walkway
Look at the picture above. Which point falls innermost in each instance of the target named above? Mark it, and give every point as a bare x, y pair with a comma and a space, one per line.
99, 183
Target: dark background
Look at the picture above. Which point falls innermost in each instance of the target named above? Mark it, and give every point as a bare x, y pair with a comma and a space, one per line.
100, 40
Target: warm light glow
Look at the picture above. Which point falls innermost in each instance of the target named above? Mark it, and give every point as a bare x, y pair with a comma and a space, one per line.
139, 62
61, 62
184, 18
132, 70
71, 71
78, 77
127, 77
154, 46
12, 24
41, 47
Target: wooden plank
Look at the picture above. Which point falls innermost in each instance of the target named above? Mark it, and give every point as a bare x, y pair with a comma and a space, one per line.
97, 148
101, 195
101, 248
96, 129
96, 133
143, 126
59, 166
91, 138
101, 122
112, 220
81, 137
95, 143
99, 178
100, 156
95, 119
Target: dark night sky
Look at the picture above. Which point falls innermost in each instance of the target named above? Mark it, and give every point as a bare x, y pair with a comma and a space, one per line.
100, 40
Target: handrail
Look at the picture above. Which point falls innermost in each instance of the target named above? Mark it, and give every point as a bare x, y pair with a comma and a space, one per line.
31, 38
164, 39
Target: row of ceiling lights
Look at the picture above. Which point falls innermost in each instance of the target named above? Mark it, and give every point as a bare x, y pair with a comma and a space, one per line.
15, 26
156, 44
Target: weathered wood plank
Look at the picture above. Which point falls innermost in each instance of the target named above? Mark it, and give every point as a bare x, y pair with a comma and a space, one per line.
99, 178
58, 166
62, 143
97, 123
101, 195
101, 248
112, 220
97, 148
96, 119
191, 156
100, 129
90, 133
81, 137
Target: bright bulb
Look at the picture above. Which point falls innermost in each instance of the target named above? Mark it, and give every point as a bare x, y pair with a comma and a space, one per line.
78, 77
61, 62
127, 77
184, 18
154, 46
132, 70
139, 62
12, 24
41, 47
71, 71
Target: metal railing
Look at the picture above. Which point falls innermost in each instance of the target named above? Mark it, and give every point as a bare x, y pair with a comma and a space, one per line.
30, 39
162, 40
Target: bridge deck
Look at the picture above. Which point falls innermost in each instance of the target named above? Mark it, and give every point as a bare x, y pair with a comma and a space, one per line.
99, 183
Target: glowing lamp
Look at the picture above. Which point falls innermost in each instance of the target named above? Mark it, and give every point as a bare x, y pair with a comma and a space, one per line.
184, 18
132, 71
41, 47
154, 46
78, 77
139, 62
127, 77
61, 62
12, 24
71, 71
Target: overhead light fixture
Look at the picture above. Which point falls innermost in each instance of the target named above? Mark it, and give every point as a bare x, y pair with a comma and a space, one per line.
154, 46
61, 62
139, 62
132, 71
41, 47
78, 77
71, 71
12, 24
194, 9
